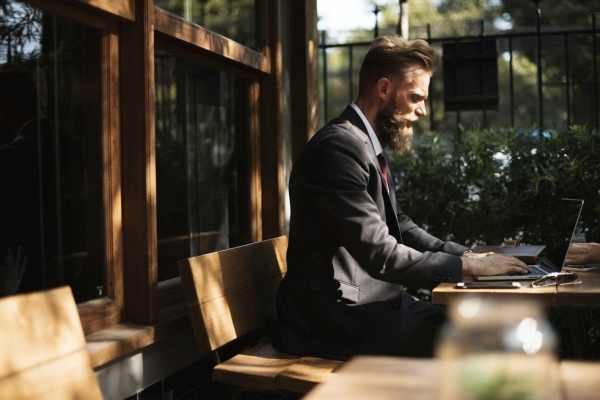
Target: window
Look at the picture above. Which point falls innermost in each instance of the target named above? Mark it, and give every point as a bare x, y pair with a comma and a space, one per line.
235, 19
50, 153
117, 130
201, 129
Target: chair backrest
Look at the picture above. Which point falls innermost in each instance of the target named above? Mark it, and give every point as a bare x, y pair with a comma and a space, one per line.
231, 292
43, 351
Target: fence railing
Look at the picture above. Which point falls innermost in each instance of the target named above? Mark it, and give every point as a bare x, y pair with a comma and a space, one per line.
568, 81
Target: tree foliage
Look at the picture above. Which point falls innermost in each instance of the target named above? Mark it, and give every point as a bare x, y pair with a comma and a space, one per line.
20, 24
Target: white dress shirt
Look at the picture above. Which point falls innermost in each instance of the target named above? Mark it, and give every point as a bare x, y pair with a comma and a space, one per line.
374, 139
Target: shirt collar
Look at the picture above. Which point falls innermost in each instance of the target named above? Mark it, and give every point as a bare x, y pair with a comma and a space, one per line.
374, 139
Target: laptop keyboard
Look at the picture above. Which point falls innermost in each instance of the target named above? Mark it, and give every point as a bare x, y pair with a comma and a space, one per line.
535, 270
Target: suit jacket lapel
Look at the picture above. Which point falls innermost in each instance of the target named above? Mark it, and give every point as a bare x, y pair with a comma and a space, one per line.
389, 196
350, 115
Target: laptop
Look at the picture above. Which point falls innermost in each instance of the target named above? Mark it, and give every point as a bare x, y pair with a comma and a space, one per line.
555, 253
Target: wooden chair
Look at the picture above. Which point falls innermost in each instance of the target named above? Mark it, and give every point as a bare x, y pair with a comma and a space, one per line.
231, 295
43, 354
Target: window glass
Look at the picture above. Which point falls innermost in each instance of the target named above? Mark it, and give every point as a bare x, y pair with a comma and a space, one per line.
235, 19
201, 131
50, 153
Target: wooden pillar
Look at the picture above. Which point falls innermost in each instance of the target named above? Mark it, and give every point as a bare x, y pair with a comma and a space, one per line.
255, 184
138, 169
303, 101
272, 174
304, 89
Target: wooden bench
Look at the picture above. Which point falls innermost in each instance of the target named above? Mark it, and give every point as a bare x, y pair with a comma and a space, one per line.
231, 295
44, 352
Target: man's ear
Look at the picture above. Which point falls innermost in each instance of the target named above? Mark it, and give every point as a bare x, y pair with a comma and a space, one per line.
384, 88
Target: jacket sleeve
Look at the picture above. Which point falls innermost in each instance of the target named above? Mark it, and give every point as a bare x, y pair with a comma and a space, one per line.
337, 177
422, 240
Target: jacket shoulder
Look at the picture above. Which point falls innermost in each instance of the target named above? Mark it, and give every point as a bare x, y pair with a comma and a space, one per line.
343, 135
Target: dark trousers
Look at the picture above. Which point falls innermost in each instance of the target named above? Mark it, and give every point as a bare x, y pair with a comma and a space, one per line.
402, 327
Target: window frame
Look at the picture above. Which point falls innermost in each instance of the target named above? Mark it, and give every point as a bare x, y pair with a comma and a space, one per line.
198, 44
198, 37
169, 292
105, 311
187, 39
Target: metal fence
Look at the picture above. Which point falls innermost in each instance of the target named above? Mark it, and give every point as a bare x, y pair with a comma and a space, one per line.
579, 89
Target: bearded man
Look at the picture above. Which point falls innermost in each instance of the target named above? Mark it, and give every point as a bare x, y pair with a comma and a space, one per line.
352, 253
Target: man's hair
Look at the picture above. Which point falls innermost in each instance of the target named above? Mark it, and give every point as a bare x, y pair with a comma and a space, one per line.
391, 55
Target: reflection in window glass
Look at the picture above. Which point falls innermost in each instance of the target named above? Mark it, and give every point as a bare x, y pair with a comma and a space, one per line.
200, 124
235, 19
50, 155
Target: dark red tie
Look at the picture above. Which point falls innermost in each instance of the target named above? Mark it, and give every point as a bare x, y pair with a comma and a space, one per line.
385, 170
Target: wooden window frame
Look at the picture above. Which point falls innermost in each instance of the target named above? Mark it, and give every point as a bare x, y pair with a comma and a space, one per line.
179, 48
129, 30
265, 68
201, 38
191, 40
170, 299
196, 43
106, 311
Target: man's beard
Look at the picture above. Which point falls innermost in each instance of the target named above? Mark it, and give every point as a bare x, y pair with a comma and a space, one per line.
395, 133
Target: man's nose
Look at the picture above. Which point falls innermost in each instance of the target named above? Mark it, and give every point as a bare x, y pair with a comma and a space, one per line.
421, 111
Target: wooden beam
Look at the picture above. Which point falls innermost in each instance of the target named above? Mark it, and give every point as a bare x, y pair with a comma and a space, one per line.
214, 43
139, 165
255, 211
118, 341
304, 54
273, 179
73, 10
122, 8
111, 167
98, 314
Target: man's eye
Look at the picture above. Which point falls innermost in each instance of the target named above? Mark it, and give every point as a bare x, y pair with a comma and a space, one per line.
415, 98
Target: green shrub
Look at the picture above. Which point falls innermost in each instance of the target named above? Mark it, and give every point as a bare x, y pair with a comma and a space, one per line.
490, 185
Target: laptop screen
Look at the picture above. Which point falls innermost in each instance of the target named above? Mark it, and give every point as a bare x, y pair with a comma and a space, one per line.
569, 211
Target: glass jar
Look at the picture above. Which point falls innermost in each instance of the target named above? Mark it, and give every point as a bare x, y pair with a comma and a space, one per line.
498, 350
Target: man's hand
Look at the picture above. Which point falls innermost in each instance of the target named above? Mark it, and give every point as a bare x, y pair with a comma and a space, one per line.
583, 253
492, 264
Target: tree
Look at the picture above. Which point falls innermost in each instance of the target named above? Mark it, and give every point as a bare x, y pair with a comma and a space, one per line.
20, 24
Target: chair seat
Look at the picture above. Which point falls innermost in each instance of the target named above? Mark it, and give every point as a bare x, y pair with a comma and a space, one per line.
305, 374
263, 368
255, 368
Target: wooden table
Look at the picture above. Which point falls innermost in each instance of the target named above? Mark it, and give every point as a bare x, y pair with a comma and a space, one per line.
382, 378
445, 293
587, 293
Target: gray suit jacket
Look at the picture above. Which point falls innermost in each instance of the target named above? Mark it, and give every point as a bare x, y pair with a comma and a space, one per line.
349, 247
